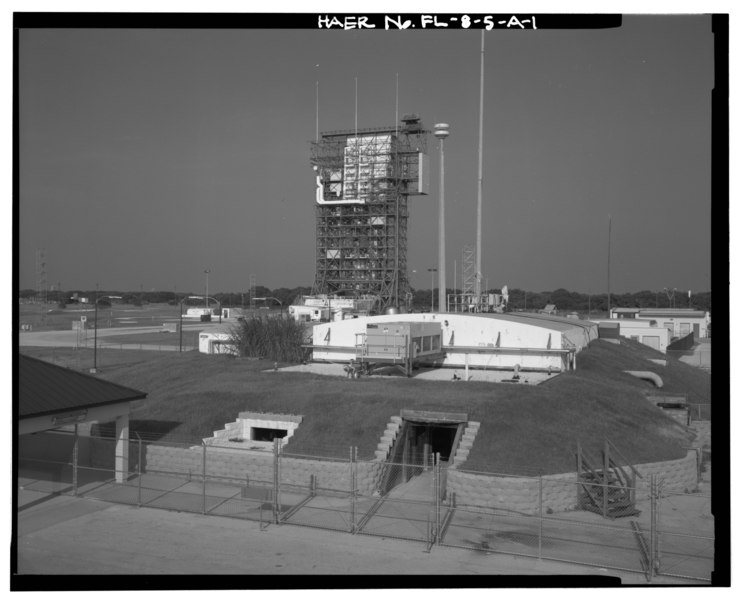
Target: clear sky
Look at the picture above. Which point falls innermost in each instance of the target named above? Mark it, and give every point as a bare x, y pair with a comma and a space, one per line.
147, 156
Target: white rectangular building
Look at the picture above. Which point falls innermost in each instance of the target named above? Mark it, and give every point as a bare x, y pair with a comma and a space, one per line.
679, 321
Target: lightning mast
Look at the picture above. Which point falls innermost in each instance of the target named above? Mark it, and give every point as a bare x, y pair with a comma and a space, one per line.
479, 179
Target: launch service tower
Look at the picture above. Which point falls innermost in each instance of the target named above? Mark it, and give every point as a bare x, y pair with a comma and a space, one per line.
364, 179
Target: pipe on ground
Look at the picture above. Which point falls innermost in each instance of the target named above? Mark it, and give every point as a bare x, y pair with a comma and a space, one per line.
646, 376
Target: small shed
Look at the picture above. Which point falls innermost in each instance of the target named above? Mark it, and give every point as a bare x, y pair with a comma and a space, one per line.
52, 397
217, 341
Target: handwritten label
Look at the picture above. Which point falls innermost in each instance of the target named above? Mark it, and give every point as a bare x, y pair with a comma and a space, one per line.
348, 22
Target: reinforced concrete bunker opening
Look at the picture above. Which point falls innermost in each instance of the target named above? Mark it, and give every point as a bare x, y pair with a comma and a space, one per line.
422, 436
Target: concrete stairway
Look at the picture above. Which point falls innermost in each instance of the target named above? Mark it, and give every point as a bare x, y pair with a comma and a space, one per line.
467, 440
387, 439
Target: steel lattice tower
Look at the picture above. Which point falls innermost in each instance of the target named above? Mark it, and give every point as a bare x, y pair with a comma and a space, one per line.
470, 271
364, 179
41, 283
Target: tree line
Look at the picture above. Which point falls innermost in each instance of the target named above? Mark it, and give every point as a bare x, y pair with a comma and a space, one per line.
573, 301
519, 299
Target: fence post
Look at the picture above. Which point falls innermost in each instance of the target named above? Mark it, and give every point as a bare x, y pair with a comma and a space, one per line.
74, 463
352, 466
430, 535
276, 480
203, 478
540, 512
606, 465
652, 525
699, 466
657, 548
139, 471
437, 491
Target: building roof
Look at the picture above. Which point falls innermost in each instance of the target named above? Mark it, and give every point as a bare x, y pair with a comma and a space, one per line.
547, 321
45, 388
671, 313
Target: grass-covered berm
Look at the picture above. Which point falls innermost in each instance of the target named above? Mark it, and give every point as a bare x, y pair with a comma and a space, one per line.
525, 429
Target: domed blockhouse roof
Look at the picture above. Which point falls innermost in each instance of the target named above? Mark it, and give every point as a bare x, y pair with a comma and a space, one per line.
536, 342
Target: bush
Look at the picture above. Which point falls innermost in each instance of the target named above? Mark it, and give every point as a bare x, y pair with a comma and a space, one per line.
276, 339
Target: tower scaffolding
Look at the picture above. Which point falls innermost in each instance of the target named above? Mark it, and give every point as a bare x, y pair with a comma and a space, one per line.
364, 179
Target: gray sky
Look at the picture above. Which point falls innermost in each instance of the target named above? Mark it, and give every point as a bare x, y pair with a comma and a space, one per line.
147, 156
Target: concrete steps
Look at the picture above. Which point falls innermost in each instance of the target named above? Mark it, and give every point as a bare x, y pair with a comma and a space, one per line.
465, 444
387, 438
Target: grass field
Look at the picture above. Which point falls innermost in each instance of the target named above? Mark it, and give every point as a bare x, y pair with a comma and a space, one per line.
524, 429
49, 317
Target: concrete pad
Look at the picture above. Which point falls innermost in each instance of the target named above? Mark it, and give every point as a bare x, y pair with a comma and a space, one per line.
430, 374
119, 539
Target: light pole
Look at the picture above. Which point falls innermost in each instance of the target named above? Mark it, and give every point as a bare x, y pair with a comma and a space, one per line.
441, 132
180, 328
280, 303
206, 272
95, 334
671, 295
432, 272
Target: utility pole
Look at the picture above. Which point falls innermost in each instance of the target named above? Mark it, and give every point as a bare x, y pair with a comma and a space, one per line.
609, 265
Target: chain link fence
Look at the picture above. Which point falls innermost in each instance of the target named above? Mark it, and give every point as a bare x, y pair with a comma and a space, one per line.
541, 517
699, 412
684, 535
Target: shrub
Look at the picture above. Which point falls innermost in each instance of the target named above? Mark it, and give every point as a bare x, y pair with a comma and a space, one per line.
276, 339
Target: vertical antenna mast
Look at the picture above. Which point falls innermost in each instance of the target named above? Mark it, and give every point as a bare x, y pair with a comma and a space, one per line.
609, 265
316, 130
479, 181
356, 122
396, 107
396, 212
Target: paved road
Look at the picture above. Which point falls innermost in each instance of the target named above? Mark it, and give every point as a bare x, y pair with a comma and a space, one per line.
699, 356
68, 535
71, 338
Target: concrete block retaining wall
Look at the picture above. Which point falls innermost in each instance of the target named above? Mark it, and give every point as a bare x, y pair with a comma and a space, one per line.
559, 492
680, 476
257, 468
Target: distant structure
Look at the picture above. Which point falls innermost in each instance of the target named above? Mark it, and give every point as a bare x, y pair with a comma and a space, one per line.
253, 279
469, 300
41, 282
470, 272
364, 178
679, 321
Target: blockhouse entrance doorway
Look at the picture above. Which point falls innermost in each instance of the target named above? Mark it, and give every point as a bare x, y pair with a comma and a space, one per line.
422, 435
